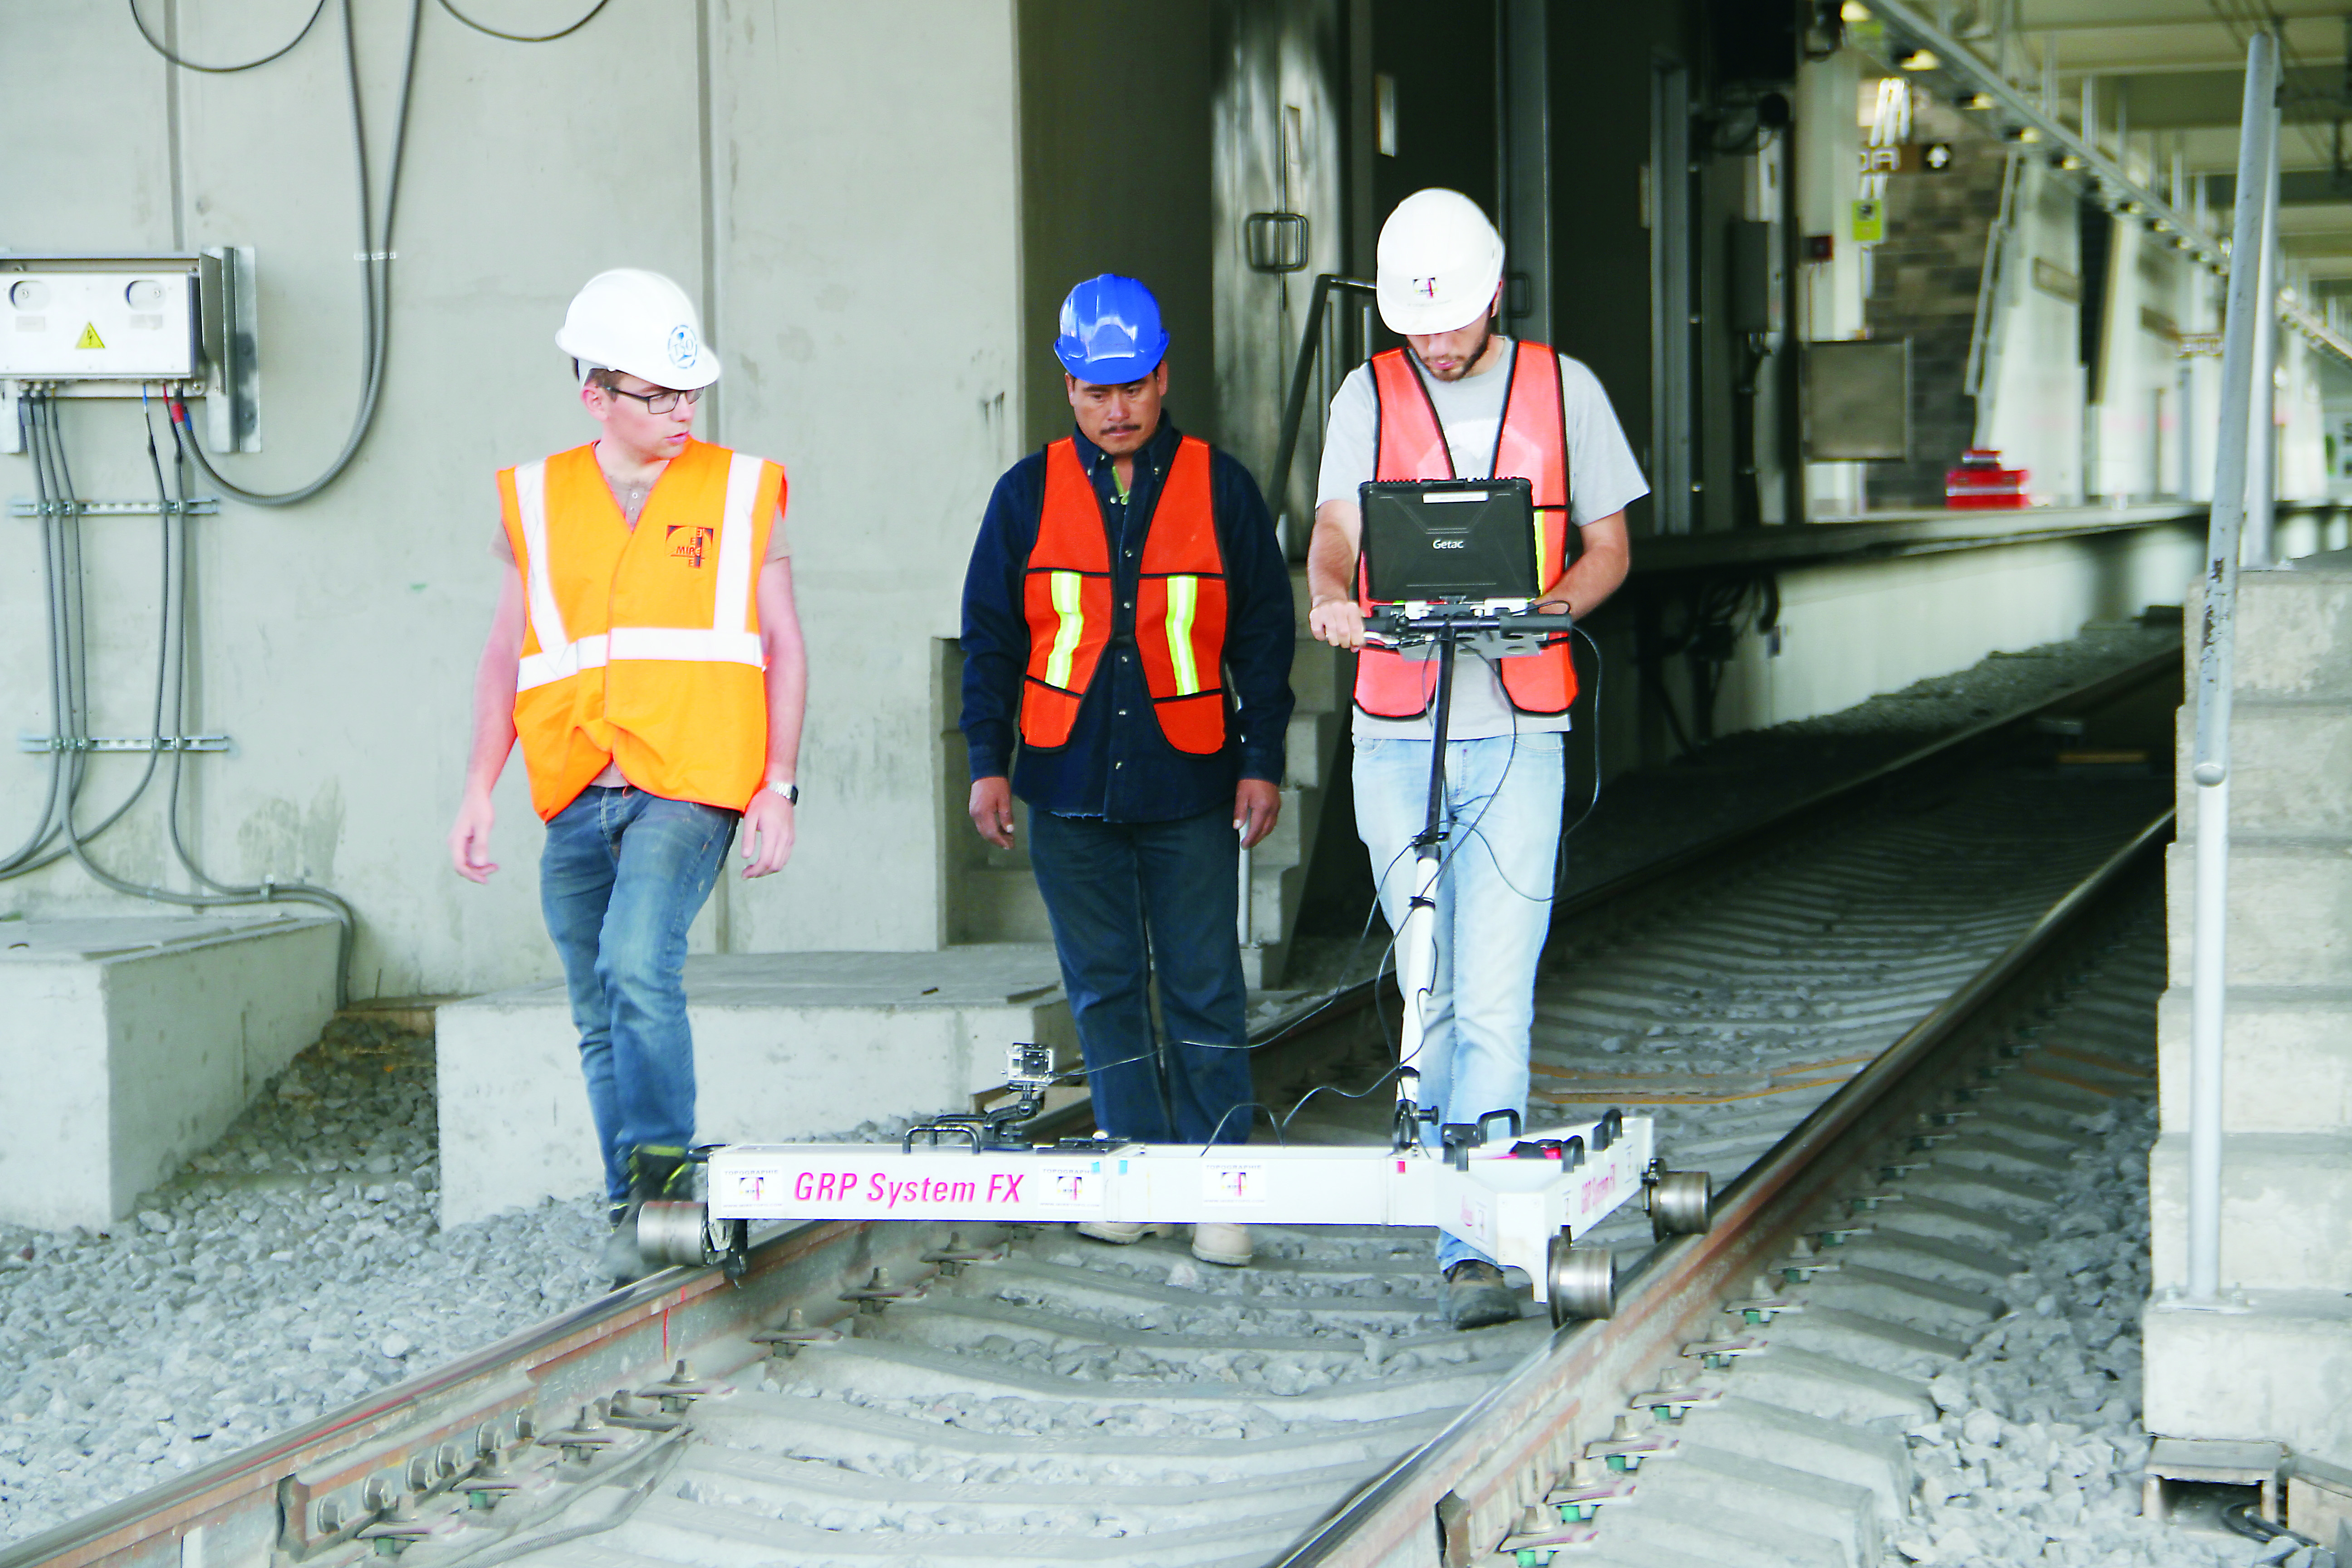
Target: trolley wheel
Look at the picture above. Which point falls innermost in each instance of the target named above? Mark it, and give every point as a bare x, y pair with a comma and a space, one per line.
1682, 1203
1581, 1281
673, 1232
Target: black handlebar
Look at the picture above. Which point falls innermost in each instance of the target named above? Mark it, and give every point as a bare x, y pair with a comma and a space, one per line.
1390, 621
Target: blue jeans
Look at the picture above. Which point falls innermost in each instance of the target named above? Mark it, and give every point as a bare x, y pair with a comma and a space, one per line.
1129, 901
1494, 909
622, 878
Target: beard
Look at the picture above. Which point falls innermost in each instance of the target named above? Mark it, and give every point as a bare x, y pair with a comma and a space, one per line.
1470, 360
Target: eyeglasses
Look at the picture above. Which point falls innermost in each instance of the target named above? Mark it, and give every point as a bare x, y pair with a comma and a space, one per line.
660, 400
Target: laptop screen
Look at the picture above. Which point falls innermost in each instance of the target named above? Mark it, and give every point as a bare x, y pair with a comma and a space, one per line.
1449, 539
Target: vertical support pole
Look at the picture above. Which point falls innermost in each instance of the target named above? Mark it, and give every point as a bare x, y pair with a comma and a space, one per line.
2262, 460
2257, 153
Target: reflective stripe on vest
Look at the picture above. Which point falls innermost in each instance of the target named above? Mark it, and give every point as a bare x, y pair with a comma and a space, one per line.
1177, 629
1531, 444
641, 646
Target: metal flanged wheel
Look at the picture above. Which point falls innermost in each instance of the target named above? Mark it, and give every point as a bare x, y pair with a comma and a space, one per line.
1581, 1281
1682, 1203
673, 1233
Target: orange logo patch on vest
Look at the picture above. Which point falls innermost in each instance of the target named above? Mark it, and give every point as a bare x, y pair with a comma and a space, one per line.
694, 546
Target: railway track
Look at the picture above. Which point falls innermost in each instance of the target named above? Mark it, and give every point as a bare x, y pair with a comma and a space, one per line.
874, 1393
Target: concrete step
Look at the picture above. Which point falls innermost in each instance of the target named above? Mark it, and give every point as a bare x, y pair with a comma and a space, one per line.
2271, 1037
807, 1045
999, 903
2290, 911
2289, 759
2277, 1361
1322, 678
1307, 745
2293, 633
2287, 1210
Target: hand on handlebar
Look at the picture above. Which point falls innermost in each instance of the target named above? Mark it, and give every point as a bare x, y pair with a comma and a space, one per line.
1338, 622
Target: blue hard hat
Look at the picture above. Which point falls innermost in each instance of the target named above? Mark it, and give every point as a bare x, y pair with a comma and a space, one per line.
1110, 331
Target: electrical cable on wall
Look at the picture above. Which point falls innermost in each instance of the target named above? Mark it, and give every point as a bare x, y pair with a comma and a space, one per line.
375, 255
60, 510
527, 38
156, 44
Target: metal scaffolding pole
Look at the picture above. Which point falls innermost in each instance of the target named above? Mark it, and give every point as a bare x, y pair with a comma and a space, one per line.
2257, 156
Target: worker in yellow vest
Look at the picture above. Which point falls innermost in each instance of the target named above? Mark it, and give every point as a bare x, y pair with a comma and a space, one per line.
646, 654
1463, 401
1128, 630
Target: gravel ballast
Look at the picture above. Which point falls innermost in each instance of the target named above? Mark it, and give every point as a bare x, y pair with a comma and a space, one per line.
291, 1269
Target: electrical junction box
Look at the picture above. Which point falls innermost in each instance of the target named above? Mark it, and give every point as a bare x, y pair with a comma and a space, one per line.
116, 325
80, 326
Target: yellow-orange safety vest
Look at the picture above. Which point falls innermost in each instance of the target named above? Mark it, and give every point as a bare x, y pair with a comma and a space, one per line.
642, 646
1533, 445
1180, 606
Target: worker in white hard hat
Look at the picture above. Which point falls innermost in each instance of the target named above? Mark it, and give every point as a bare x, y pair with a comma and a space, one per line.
1462, 400
646, 655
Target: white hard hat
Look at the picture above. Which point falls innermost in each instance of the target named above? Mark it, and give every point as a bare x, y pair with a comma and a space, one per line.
641, 322
1439, 262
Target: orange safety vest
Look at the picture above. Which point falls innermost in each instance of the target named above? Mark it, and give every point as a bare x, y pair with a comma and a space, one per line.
643, 645
1178, 620
1533, 445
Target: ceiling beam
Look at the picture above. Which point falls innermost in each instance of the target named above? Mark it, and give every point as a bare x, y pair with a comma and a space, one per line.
2177, 46
2173, 101
2297, 187
2085, 16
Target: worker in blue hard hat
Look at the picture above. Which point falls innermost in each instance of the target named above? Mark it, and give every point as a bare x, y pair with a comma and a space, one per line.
1127, 640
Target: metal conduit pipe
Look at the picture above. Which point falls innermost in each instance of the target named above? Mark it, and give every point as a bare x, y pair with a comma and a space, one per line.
2216, 627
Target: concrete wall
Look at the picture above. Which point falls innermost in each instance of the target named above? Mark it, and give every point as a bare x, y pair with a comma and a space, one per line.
1829, 293
839, 186
1115, 178
1851, 630
2035, 385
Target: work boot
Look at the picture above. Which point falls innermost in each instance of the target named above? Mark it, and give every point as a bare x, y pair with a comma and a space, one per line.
619, 1262
1477, 1297
1226, 1246
1119, 1233
654, 1174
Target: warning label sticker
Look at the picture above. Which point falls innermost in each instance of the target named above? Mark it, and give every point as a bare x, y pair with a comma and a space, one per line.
89, 338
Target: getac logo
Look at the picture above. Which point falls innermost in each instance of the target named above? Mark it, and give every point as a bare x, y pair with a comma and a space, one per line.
1449, 544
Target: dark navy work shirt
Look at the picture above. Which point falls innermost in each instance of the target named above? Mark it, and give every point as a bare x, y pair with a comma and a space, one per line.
1116, 764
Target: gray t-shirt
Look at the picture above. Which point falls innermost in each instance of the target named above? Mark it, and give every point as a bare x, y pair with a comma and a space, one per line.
1602, 479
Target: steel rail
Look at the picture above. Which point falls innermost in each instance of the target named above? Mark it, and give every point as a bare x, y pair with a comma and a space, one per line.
1474, 1477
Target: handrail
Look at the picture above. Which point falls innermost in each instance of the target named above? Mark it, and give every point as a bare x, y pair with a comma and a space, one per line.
2216, 647
1993, 281
1294, 407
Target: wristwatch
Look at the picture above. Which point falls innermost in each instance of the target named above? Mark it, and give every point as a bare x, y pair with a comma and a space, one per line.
789, 790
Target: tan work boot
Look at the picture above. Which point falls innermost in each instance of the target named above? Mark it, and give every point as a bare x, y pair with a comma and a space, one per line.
1227, 1246
1119, 1233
